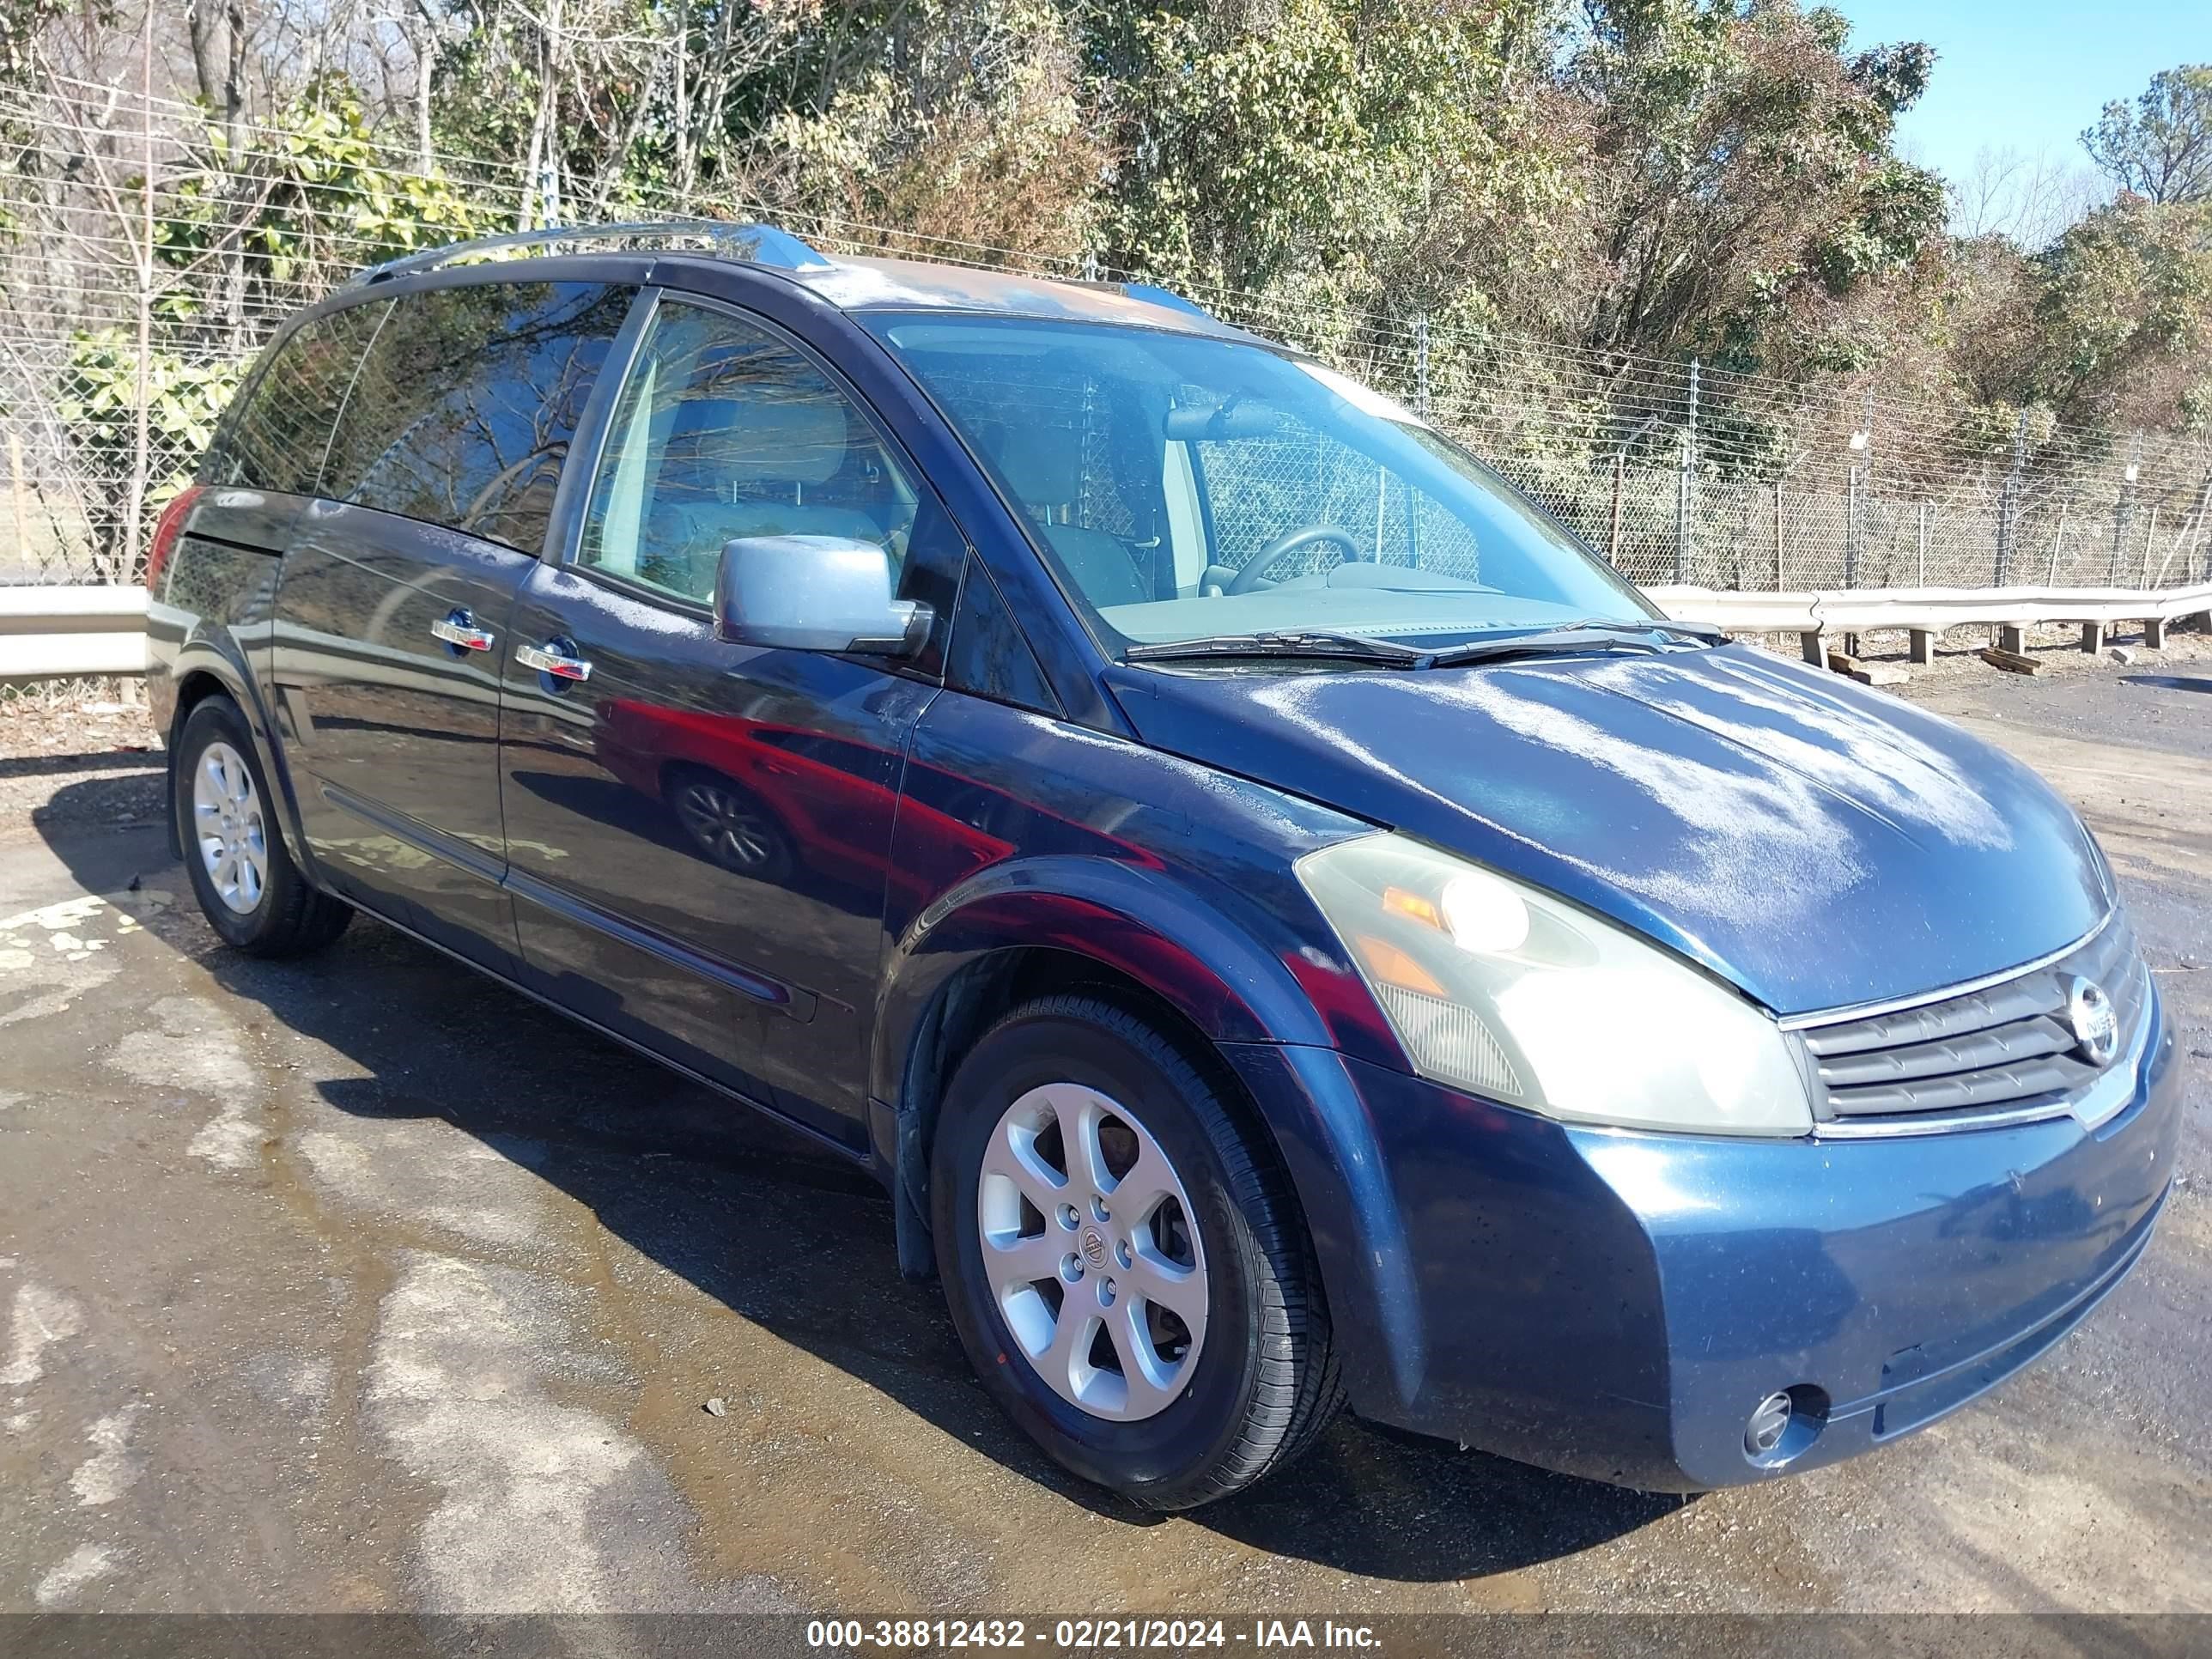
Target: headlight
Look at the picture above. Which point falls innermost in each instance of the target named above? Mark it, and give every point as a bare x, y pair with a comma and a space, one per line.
1506, 990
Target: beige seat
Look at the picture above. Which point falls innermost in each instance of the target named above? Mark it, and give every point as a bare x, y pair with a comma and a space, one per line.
1042, 465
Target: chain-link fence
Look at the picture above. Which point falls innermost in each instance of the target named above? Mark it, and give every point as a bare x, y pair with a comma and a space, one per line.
145, 257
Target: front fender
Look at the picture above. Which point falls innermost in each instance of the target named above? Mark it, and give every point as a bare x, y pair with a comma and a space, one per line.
1145, 923
1016, 830
1188, 945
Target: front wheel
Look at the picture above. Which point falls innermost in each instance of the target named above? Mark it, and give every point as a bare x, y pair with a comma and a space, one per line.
1127, 1271
251, 893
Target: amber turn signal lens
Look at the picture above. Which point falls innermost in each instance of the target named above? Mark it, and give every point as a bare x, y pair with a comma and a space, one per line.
1392, 966
1407, 902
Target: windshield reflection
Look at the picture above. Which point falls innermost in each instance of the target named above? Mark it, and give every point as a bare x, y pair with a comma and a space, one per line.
1188, 488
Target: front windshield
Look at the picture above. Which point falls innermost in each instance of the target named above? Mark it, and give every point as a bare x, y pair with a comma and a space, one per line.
1191, 489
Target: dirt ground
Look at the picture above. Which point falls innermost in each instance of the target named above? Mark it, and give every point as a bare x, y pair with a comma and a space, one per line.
362, 1283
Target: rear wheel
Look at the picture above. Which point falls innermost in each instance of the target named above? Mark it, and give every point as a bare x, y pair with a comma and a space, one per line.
251, 893
1127, 1271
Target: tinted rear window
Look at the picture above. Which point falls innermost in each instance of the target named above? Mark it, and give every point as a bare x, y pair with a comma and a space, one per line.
274, 437
464, 406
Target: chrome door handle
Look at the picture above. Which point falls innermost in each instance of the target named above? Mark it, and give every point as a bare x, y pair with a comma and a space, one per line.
460, 628
547, 658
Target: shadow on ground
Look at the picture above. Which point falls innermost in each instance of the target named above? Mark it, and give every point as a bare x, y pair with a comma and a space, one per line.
797, 1240
101, 760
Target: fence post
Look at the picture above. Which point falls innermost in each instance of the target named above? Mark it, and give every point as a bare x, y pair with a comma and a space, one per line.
2195, 529
1613, 545
1090, 267
2058, 541
1856, 479
141, 252
1683, 484
2150, 538
1922, 580
1778, 585
1851, 525
1421, 400
2009, 502
2204, 507
2124, 509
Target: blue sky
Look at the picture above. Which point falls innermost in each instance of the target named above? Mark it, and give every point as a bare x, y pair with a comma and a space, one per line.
2028, 73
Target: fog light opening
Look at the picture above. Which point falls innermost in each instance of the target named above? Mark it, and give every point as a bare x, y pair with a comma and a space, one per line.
1782, 1425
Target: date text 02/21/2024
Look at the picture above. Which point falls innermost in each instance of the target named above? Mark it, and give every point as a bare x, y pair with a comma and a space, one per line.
1080, 1635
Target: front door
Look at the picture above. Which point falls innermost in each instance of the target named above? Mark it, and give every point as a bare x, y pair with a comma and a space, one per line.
698, 832
394, 597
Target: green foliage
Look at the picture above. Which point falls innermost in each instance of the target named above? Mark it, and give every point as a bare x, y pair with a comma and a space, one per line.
1637, 179
1899, 210
2195, 406
1747, 187
22, 20
98, 403
983, 141
1264, 145
2125, 294
324, 197
1992, 429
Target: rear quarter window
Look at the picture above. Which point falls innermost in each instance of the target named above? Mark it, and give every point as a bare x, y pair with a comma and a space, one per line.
276, 435
466, 404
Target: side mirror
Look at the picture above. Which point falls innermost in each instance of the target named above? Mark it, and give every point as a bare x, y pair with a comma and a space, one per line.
814, 593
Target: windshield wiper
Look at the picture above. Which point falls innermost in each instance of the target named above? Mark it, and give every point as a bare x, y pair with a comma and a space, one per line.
1593, 634
1348, 647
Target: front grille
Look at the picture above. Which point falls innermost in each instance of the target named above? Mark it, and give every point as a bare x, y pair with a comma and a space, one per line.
2002, 1050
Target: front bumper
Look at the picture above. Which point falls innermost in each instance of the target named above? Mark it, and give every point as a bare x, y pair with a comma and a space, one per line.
1615, 1304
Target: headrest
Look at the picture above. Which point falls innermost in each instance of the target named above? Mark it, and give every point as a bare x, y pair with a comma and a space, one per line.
1041, 464
748, 441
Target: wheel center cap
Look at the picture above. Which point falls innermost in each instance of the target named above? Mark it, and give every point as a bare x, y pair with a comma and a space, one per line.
1094, 1247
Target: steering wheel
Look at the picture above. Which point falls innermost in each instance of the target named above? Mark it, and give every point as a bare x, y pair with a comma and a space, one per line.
1256, 568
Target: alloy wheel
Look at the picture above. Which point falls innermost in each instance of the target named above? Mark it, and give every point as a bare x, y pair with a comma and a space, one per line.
1091, 1251
228, 828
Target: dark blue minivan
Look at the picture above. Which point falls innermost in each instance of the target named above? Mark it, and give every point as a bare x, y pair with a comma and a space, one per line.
1289, 925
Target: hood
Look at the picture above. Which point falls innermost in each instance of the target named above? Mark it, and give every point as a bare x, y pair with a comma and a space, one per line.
1816, 843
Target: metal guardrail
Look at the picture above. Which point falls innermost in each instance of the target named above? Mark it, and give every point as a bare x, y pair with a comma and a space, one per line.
50, 632
1924, 612
1838, 611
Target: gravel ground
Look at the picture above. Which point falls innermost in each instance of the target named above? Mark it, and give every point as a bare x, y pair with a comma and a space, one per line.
81, 732
2055, 648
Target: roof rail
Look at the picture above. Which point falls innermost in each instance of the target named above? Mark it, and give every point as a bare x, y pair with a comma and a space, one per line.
1154, 294
1150, 293
754, 244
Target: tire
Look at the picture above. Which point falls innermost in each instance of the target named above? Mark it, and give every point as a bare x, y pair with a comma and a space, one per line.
251, 893
1244, 1393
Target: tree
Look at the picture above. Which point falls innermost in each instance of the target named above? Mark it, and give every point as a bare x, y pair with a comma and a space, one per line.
112, 403
1258, 143
2125, 313
1744, 185
2161, 146
2029, 201
320, 199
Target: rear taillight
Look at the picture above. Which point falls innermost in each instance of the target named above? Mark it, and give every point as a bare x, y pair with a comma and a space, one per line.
167, 529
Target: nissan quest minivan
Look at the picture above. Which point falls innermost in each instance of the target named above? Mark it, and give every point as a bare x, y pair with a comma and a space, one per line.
1288, 925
